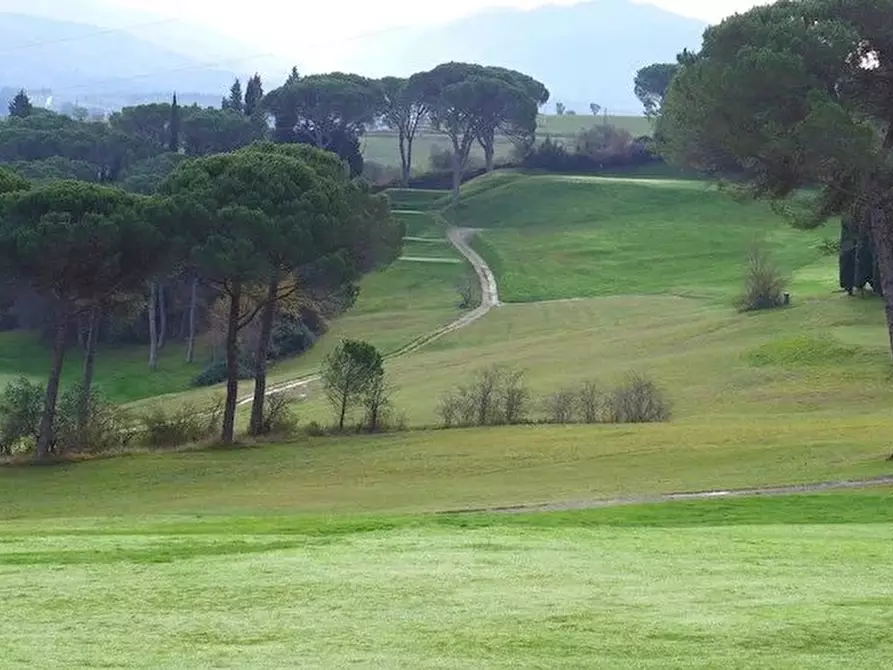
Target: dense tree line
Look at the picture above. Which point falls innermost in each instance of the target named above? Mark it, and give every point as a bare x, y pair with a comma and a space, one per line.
255, 226
138, 148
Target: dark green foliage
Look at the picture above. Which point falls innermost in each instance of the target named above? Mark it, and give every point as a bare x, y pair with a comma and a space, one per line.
350, 372
235, 102
254, 95
57, 168
104, 428
856, 262
211, 131
20, 409
21, 106
147, 176
215, 372
173, 129
187, 425
10, 181
651, 85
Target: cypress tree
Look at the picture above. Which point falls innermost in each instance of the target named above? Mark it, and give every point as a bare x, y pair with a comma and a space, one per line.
174, 127
21, 106
235, 101
254, 93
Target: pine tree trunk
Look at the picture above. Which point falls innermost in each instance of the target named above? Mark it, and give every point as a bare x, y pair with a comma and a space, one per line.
407, 175
89, 361
457, 178
489, 156
193, 307
260, 362
228, 434
152, 310
882, 235
404, 163
46, 436
162, 316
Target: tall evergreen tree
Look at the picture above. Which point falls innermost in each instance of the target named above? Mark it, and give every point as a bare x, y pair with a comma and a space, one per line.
254, 94
235, 101
21, 106
293, 76
174, 127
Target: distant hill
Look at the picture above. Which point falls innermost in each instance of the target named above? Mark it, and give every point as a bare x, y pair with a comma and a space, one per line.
584, 53
106, 65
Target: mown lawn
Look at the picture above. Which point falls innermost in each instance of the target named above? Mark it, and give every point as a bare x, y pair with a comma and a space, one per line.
797, 582
550, 237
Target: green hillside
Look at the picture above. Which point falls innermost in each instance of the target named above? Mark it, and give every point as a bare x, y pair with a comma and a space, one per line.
348, 550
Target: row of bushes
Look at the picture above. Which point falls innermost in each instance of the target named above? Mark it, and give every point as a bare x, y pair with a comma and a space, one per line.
498, 396
104, 428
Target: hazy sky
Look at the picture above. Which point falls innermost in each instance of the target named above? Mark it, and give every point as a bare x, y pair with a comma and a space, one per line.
291, 32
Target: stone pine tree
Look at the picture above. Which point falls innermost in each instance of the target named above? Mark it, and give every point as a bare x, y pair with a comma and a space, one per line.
796, 94
651, 85
78, 245
20, 107
250, 217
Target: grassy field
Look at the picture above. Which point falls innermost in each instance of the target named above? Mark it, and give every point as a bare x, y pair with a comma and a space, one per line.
334, 552
740, 584
381, 146
549, 237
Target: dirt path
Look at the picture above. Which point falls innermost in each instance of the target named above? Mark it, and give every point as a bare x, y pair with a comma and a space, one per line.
570, 505
460, 238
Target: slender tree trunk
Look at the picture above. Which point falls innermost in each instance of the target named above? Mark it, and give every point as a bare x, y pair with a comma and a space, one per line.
89, 360
152, 310
260, 363
228, 434
404, 161
46, 436
162, 316
408, 174
457, 177
193, 307
345, 397
882, 235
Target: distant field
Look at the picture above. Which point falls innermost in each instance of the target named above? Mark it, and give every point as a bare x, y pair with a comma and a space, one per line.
381, 147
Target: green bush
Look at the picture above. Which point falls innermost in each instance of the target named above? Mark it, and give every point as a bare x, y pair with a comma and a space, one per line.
186, 425
764, 285
215, 372
20, 408
637, 400
104, 428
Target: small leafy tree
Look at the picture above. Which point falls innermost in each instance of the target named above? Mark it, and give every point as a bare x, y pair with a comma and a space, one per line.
560, 108
348, 374
20, 408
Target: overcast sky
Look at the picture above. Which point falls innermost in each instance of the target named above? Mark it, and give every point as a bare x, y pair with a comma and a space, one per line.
287, 26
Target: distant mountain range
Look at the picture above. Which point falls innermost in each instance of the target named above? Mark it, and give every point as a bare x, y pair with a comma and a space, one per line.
86, 52
584, 53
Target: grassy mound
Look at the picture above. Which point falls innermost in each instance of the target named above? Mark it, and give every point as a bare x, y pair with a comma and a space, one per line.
550, 237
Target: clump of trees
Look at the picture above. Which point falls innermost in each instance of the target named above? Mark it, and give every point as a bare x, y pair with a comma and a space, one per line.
603, 146
499, 396
257, 226
354, 378
794, 95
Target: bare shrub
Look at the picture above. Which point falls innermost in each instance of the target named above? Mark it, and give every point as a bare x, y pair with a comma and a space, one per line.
497, 396
279, 417
561, 406
377, 404
185, 426
638, 400
591, 402
764, 285
514, 397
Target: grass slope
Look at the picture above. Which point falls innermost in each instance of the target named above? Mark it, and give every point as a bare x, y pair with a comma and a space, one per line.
553, 237
743, 584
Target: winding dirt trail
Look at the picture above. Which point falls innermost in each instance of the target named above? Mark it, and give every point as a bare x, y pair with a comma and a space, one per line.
460, 238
